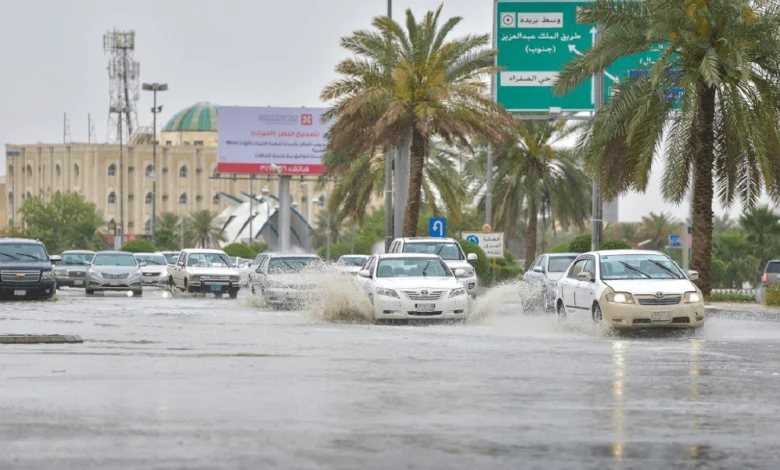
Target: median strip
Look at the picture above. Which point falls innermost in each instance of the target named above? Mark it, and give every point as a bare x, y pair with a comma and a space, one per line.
40, 339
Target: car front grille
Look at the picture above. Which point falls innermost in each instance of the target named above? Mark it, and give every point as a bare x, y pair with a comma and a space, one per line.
78, 274
215, 279
670, 300
20, 276
423, 294
115, 276
424, 314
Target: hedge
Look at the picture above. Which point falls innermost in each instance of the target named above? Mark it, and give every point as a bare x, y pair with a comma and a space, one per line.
772, 295
583, 243
239, 250
139, 245
616, 245
482, 266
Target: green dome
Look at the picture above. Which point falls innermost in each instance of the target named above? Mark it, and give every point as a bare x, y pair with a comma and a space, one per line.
200, 117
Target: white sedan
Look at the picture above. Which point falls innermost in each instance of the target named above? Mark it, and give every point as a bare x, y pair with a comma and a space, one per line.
624, 289
412, 286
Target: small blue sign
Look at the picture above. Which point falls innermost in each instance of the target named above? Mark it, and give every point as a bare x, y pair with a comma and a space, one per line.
473, 239
675, 241
437, 227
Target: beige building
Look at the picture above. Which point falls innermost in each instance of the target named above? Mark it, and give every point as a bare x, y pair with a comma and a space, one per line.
187, 178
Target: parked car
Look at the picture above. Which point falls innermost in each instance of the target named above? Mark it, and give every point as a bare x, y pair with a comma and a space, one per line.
154, 268
250, 271
413, 286
285, 281
171, 256
205, 271
71, 271
351, 264
624, 289
770, 276
114, 271
449, 250
542, 277
26, 270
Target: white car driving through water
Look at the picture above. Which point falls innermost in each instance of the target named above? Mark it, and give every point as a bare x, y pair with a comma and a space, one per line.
204, 271
413, 286
288, 280
449, 250
625, 289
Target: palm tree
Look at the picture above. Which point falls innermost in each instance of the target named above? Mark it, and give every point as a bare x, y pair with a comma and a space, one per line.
413, 85
657, 228
734, 249
534, 178
725, 55
204, 228
722, 224
762, 230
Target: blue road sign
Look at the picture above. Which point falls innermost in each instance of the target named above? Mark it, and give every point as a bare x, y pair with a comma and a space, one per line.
473, 239
675, 241
437, 227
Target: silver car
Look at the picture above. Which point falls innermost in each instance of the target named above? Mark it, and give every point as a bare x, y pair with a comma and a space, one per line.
543, 276
154, 268
71, 270
116, 271
288, 280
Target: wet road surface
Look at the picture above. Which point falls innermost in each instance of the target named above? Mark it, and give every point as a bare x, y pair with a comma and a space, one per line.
167, 382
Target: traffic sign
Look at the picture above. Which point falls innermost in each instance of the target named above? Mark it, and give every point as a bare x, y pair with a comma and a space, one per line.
492, 243
437, 227
675, 241
535, 39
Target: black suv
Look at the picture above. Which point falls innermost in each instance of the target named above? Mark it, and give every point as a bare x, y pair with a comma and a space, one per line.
25, 269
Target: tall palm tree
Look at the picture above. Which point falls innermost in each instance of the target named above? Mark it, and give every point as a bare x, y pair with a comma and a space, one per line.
205, 229
734, 249
413, 85
725, 55
722, 224
762, 230
657, 228
535, 178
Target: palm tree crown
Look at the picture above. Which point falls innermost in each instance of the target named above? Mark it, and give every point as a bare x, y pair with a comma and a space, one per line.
204, 230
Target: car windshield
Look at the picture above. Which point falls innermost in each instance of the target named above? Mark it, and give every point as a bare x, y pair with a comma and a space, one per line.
412, 267
291, 265
157, 260
559, 264
615, 267
208, 260
773, 267
353, 260
22, 252
172, 258
259, 259
447, 250
77, 258
114, 259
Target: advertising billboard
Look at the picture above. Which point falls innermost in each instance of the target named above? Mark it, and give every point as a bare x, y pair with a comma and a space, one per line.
289, 141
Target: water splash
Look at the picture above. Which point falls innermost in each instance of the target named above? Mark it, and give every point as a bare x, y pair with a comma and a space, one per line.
505, 298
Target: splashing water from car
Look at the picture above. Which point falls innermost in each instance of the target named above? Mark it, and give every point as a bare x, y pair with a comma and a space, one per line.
336, 298
505, 298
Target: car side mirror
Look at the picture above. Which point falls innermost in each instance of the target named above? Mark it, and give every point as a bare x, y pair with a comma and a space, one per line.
538, 269
55, 259
365, 273
584, 276
143, 264
693, 275
471, 257
258, 271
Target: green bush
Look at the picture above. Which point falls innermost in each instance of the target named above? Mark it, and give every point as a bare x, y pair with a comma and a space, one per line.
562, 248
616, 245
772, 295
720, 297
337, 250
239, 250
580, 244
482, 265
718, 274
257, 248
139, 245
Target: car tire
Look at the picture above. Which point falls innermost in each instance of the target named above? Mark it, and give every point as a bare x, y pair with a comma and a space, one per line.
171, 284
89, 292
234, 294
598, 317
138, 293
561, 311
218, 295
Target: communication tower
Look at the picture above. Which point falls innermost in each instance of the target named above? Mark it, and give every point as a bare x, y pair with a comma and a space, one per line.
124, 77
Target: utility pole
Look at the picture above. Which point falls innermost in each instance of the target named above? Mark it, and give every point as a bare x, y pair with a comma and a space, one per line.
597, 205
154, 88
251, 210
389, 156
489, 171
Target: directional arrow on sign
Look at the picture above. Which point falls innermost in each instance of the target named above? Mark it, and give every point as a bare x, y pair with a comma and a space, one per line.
573, 48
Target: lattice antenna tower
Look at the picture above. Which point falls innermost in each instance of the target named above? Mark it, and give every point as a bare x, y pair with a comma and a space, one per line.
124, 78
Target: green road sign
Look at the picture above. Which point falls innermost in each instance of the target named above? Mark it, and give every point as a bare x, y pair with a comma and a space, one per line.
535, 38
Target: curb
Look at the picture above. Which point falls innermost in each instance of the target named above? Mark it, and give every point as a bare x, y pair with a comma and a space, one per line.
40, 339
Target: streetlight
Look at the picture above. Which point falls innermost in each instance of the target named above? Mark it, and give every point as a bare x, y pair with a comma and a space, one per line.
266, 191
154, 88
120, 110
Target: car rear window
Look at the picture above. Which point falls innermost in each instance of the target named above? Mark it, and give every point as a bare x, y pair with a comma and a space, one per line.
773, 267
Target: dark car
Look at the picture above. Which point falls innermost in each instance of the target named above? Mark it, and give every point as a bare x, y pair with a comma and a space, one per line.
25, 269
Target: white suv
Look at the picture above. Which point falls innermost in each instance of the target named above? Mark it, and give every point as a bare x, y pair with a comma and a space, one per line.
449, 250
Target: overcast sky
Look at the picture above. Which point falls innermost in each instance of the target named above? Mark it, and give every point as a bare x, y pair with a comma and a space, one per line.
230, 52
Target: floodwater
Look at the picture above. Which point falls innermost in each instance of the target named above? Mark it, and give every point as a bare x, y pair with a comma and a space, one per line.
172, 381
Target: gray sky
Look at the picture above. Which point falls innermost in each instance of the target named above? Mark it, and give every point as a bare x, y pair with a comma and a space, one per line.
231, 52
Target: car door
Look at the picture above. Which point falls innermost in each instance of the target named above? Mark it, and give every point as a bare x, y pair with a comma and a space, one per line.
531, 276
568, 287
365, 283
584, 295
180, 272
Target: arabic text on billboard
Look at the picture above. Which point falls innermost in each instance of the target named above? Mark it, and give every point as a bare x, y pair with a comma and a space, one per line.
253, 139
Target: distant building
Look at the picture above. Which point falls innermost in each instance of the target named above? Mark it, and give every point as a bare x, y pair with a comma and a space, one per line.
610, 211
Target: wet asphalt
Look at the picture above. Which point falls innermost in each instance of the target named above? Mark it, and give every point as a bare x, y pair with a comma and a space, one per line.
173, 382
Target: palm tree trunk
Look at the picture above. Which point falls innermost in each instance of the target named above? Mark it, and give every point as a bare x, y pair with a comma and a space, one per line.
530, 236
416, 164
703, 190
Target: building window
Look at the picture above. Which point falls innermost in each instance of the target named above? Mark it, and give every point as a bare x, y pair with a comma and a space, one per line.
198, 198
11, 197
112, 170
168, 143
215, 199
111, 226
112, 198
149, 171
130, 225
131, 169
165, 198
149, 198
186, 143
199, 171
183, 199
165, 170
29, 195
198, 142
29, 171
10, 170
148, 226
131, 197
58, 171
215, 173
183, 172
76, 170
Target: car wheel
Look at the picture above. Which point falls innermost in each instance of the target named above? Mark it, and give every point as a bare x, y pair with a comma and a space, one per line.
138, 293
218, 295
561, 311
89, 292
597, 316
234, 294
171, 284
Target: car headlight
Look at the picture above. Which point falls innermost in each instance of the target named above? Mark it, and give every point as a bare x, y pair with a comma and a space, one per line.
692, 297
47, 274
135, 274
620, 298
387, 293
235, 278
61, 273
92, 272
195, 278
457, 292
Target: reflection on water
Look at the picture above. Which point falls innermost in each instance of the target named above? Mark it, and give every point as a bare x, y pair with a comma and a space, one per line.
619, 396
694, 373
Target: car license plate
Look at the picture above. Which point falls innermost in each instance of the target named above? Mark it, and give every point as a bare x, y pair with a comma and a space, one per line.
216, 288
661, 316
114, 283
425, 307
78, 283
20, 292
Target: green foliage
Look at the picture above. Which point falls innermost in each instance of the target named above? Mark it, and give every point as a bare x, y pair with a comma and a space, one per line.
482, 265
204, 230
139, 245
729, 297
562, 248
772, 295
737, 253
257, 248
239, 250
168, 232
580, 244
718, 274
616, 245
505, 269
337, 250
63, 221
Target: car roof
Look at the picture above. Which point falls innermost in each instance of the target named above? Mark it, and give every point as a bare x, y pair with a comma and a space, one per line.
408, 255
78, 252
151, 254
354, 256
203, 250
428, 239
292, 255
552, 255
115, 252
626, 252
20, 240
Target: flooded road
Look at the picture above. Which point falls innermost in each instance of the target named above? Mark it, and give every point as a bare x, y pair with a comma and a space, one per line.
167, 382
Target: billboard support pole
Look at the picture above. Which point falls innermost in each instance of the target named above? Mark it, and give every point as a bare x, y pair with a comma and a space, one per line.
489, 169
284, 213
597, 206
389, 158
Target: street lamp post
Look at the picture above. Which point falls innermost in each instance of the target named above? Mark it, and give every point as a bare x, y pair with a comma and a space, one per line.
120, 110
266, 191
154, 88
